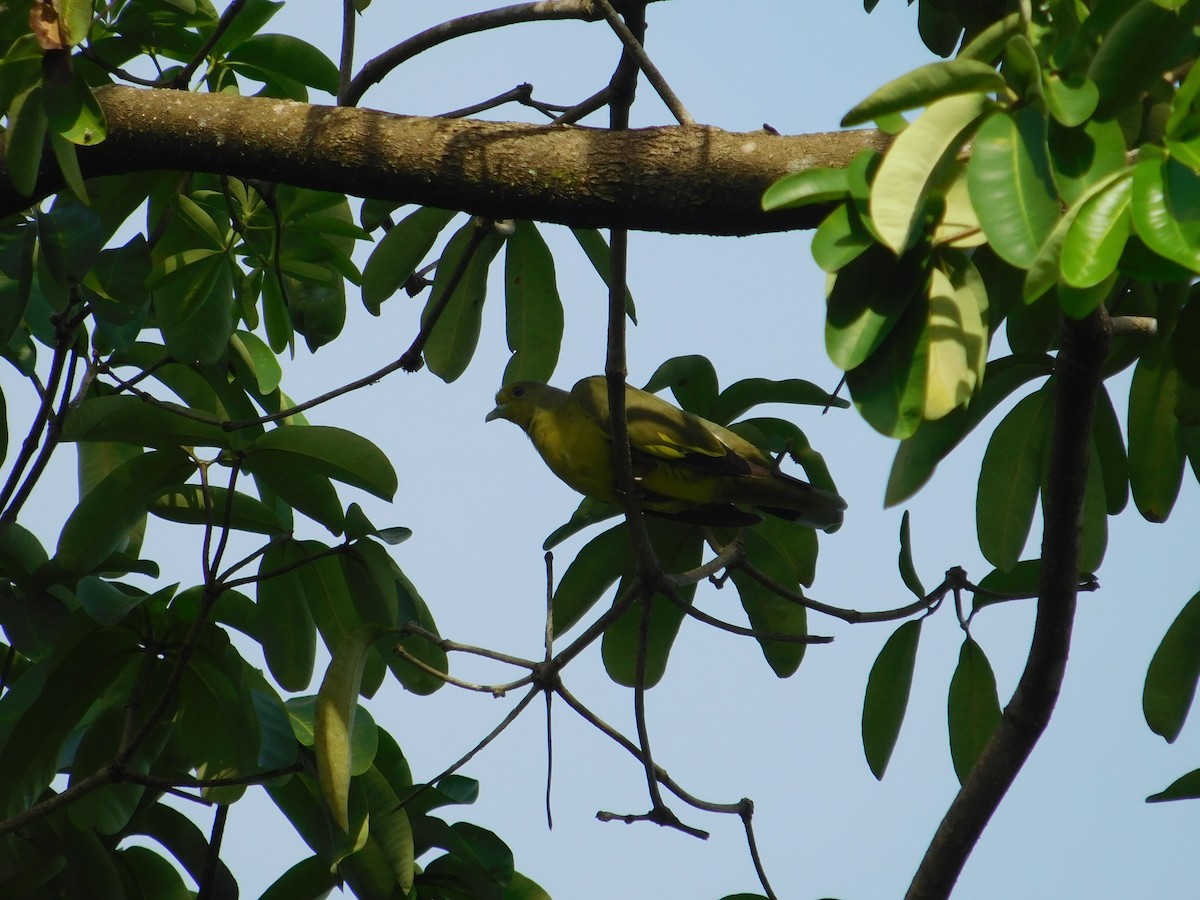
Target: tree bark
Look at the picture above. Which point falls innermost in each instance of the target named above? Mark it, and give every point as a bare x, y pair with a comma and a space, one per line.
1078, 375
685, 180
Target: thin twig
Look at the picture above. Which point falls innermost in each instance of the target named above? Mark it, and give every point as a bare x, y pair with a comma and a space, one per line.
470, 754
454, 647
410, 361
212, 856
584, 108
496, 690
522, 93
181, 80
346, 58
378, 68
633, 46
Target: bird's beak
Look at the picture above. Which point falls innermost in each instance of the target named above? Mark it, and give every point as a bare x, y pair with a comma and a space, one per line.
497, 413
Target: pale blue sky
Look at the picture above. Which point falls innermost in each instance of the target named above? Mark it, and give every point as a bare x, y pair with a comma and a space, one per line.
480, 503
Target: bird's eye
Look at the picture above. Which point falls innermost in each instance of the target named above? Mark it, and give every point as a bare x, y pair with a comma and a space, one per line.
518, 391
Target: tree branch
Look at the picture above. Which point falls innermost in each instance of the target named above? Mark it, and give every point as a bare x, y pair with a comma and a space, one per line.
1084, 346
695, 180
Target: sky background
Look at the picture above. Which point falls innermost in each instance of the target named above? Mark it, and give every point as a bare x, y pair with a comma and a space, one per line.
480, 503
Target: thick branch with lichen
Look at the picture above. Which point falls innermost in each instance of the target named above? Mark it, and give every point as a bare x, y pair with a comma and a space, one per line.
687, 180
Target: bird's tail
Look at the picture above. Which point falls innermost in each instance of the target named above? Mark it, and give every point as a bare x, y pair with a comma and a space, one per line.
789, 498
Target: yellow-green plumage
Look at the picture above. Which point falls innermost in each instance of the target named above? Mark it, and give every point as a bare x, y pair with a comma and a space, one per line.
685, 467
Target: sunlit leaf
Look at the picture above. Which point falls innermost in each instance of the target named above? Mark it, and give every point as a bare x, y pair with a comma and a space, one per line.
912, 166
816, 185
1096, 238
1010, 184
923, 85
337, 704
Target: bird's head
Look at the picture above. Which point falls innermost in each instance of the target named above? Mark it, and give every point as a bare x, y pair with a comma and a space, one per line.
518, 402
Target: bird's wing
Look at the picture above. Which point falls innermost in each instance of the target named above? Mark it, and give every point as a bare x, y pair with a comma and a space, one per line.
659, 430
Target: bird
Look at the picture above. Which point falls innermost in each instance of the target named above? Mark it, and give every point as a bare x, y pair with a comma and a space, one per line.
685, 467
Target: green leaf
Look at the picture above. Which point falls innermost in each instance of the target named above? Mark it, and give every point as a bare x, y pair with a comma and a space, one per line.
23, 139
161, 425
1166, 209
600, 562
908, 571
1186, 787
187, 843
187, 504
533, 308
390, 828
973, 708
453, 338
599, 255
588, 513
47, 701
988, 44
399, 252
1093, 539
1010, 478
317, 303
913, 165
73, 111
287, 632
840, 238
1136, 51
750, 392
99, 524
412, 608
888, 389
288, 477
918, 456
1024, 579
923, 85
309, 878
866, 299
69, 240
1156, 453
1071, 101
1174, 669
766, 610
957, 346
193, 304
151, 875
340, 454
337, 704
679, 548
289, 56
250, 350
693, 381
1011, 186
888, 688
816, 185
1110, 453
1096, 239
333, 608
1079, 157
